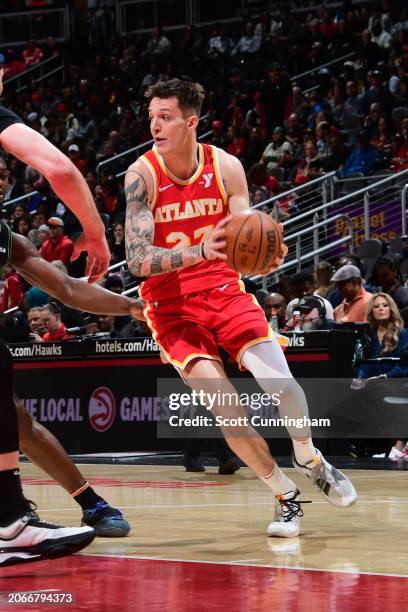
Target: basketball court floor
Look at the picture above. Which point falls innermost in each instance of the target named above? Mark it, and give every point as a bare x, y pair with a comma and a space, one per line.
198, 543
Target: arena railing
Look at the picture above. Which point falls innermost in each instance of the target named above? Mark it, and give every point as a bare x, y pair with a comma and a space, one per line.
18, 27
42, 70
377, 210
15, 201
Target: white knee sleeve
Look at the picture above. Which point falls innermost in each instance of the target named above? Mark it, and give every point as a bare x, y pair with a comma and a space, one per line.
268, 365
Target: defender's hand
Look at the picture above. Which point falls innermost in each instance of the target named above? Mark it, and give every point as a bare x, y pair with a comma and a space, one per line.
98, 256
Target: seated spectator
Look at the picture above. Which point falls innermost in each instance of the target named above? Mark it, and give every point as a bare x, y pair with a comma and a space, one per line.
23, 226
117, 243
220, 45
31, 54
75, 156
364, 159
57, 246
310, 166
35, 323
313, 314
337, 156
387, 276
388, 338
323, 132
274, 152
12, 291
353, 308
217, 137
258, 177
158, 45
51, 320
274, 305
237, 144
353, 105
323, 274
12, 65
106, 324
110, 196
303, 285
249, 42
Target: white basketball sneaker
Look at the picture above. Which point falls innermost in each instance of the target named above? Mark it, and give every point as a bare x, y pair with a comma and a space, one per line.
288, 512
30, 539
333, 485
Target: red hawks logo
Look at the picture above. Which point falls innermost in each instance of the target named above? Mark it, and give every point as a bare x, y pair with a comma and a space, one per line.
102, 409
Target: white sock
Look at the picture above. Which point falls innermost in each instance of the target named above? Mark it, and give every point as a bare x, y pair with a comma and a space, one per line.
304, 450
278, 482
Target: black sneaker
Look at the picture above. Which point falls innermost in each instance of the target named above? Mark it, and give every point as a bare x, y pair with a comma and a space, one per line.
29, 539
107, 521
228, 467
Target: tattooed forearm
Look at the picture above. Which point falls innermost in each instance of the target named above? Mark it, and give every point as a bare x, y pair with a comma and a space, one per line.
143, 258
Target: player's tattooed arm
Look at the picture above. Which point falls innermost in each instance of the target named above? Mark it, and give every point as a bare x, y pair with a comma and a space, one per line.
143, 258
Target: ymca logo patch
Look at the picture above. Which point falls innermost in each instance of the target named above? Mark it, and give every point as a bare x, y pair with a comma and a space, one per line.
207, 179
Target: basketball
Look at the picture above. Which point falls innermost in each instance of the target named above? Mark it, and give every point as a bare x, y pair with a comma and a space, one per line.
254, 240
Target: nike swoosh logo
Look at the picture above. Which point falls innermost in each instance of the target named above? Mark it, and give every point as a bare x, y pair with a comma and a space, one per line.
165, 187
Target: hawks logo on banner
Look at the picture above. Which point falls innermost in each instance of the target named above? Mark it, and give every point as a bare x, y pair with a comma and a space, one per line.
102, 409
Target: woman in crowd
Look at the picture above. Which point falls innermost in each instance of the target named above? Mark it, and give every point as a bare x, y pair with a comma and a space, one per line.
388, 339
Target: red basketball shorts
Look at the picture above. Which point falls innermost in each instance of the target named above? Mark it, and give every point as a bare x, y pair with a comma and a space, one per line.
196, 324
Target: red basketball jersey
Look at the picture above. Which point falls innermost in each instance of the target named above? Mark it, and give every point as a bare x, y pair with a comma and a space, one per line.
185, 212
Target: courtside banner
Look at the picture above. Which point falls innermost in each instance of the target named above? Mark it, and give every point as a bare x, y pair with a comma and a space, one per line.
85, 348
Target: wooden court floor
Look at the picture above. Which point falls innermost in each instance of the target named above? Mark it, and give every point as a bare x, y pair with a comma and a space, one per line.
198, 542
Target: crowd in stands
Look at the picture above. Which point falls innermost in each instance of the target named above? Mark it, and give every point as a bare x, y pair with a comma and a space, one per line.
348, 116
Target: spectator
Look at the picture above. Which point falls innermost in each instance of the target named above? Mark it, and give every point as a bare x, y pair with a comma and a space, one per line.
74, 155
354, 103
117, 243
12, 67
387, 276
31, 54
237, 144
313, 314
276, 97
323, 274
303, 285
274, 153
310, 166
35, 323
353, 308
388, 338
218, 138
158, 45
220, 45
275, 306
364, 159
23, 226
51, 320
249, 43
12, 291
57, 246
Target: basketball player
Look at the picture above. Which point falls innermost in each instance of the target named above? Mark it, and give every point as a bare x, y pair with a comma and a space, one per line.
23, 537
36, 442
179, 196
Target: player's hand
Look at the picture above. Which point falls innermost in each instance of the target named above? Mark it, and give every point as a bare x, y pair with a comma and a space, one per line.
214, 246
136, 309
98, 256
278, 261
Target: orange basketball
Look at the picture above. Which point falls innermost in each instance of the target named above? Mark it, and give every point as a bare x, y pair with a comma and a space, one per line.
254, 240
